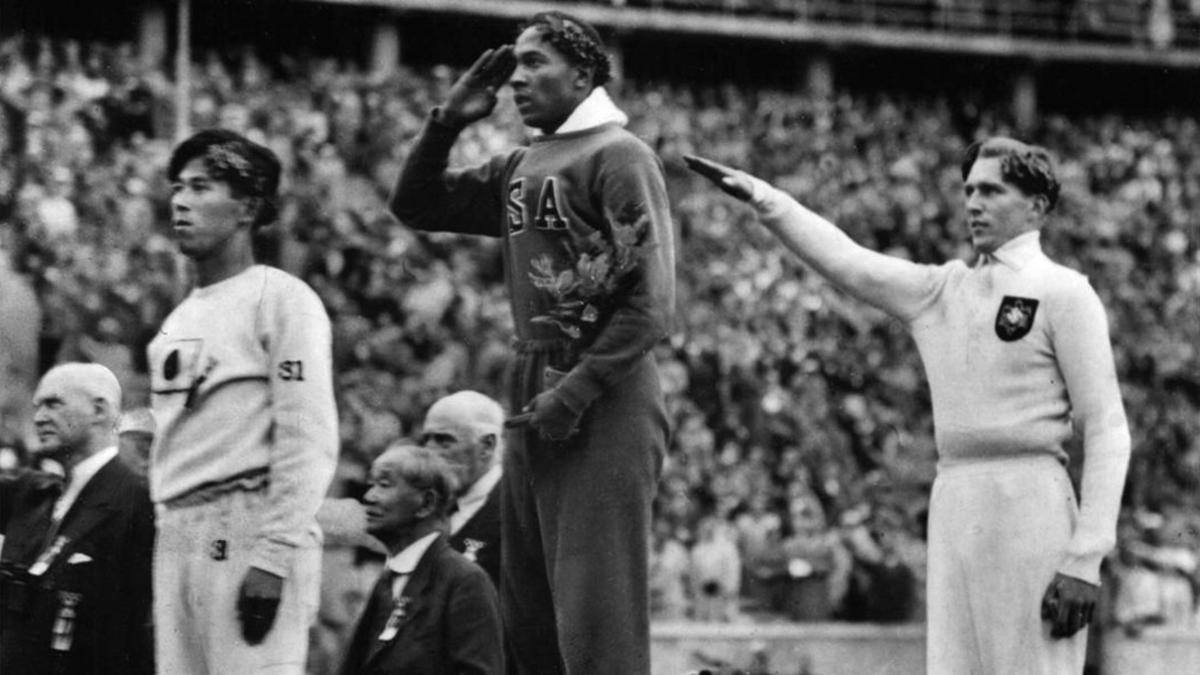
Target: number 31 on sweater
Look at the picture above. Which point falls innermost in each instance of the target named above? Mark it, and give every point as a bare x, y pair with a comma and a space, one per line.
291, 371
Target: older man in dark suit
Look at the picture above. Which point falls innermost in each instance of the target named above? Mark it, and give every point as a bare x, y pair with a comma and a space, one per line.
75, 583
432, 612
467, 428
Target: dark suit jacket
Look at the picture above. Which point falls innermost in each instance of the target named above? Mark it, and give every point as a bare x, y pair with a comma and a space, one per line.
479, 538
451, 625
103, 568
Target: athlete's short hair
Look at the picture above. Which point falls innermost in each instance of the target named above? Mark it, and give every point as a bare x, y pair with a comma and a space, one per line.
576, 40
1028, 167
250, 169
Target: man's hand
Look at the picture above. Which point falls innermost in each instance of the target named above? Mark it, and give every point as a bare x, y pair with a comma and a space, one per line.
473, 95
1068, 604
258, 600
733, 182
551, 417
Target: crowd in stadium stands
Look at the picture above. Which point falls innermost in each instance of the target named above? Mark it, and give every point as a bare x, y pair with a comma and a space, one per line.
802, 451
1155, 23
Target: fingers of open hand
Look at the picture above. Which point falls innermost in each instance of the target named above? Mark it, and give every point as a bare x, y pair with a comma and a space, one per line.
501, 66
480, 65
732, 181
707, 168
493, 68
738, 185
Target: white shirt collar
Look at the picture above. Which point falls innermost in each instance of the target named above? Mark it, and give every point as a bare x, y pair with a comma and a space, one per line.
1019, 250
473, 500
598, 108
80, 475
406, 560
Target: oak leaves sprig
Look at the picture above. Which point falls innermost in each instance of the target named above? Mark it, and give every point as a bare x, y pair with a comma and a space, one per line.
586, 292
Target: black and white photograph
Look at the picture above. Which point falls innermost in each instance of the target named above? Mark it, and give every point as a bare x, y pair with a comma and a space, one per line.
599, 337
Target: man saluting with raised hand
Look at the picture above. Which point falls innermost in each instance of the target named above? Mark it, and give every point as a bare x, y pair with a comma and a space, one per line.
583, 213
1017, 355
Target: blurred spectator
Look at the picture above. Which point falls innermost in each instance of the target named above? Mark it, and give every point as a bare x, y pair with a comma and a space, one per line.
818, 564
13, 454
135, 435
20, 321
715, 573
670, 565
883, 587
1157, 572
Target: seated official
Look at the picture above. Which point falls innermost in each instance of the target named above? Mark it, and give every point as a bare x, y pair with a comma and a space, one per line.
432, 610
467, 428
75, 570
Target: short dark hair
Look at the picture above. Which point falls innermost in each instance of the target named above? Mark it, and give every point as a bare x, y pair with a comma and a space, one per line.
250, 169
1028, 167
576, 40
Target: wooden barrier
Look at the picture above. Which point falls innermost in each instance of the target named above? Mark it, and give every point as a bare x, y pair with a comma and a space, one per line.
873, 649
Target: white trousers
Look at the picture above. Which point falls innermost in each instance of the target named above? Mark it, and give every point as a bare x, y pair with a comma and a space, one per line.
998, 529
200, 558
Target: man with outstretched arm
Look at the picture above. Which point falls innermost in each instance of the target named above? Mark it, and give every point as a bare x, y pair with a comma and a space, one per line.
1017, 355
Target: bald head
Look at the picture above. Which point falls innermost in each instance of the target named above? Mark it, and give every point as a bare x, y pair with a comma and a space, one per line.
469, 408
467, 428
76, 409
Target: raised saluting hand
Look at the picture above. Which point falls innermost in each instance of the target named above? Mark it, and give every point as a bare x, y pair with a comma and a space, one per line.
473, 95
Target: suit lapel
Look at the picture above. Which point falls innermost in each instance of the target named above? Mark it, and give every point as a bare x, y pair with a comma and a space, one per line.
414, 599
94, 503
28, 527
482, 522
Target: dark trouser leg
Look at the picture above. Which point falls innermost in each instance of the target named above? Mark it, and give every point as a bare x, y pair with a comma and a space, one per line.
585, 503
526, 604
525, 600
594, 495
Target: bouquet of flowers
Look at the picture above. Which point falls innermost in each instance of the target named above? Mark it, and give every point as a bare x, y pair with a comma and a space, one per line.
584, 293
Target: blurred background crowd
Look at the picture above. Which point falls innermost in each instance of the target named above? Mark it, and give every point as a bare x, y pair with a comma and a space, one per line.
1155, 23
802, 451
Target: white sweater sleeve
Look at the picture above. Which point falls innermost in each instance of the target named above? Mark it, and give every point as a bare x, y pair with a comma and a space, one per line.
304, 434
1084, 354
899, 287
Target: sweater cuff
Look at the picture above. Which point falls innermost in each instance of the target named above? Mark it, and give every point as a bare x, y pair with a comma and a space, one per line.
1085, 567
577, 391
273, 557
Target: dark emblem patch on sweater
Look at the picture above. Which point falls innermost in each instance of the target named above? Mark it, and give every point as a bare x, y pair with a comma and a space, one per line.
1015, 317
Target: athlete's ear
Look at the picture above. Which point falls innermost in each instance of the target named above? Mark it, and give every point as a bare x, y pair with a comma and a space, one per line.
250, 207
583, 78
1041, 204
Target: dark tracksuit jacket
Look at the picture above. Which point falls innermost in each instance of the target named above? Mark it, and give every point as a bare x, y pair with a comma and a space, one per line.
576, 513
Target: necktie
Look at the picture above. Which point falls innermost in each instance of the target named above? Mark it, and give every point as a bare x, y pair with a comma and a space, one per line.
50, 488
381, 602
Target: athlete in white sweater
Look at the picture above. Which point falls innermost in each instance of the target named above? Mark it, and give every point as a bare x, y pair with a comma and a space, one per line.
1017, 355
247, 429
